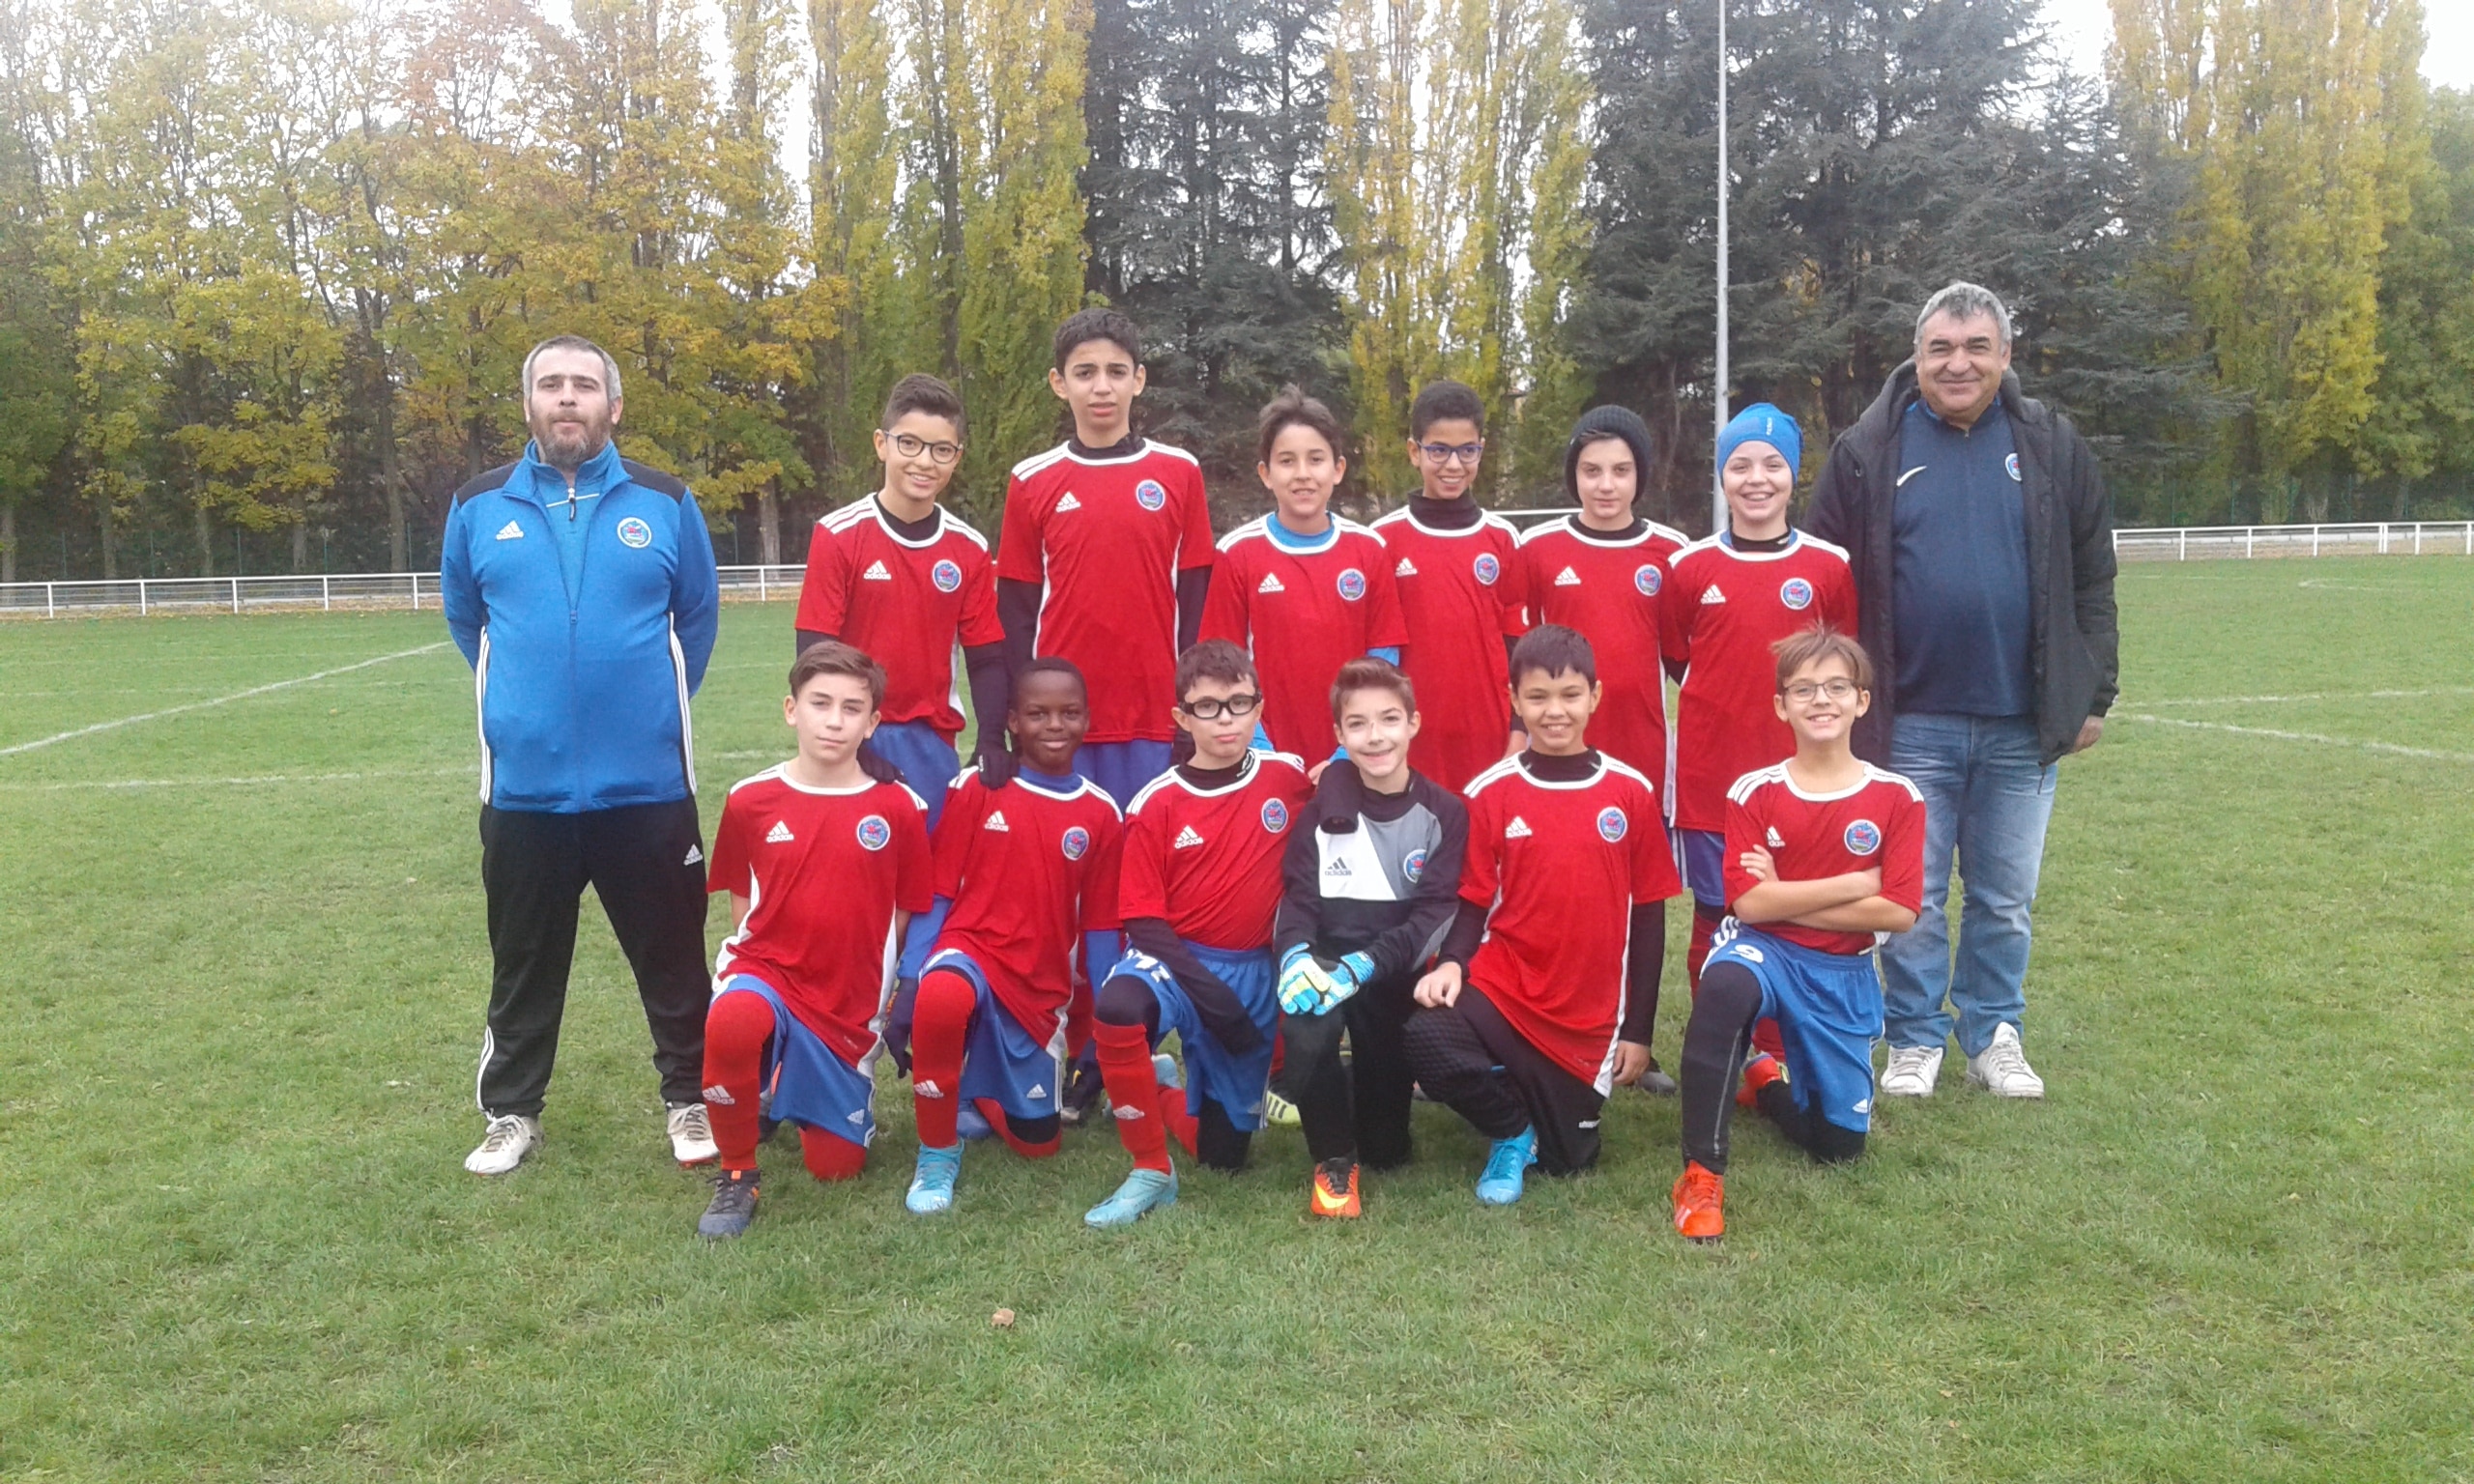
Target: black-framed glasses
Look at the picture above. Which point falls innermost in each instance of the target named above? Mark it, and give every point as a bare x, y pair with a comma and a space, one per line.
1446, 453
1837, 688
912, 447
1211, 709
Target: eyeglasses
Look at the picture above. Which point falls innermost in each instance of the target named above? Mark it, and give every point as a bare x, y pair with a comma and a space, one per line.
1446, 453
1211, 709
1804, 692
910, 447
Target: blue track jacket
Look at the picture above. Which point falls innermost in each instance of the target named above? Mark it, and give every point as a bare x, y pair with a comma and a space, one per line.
583, 701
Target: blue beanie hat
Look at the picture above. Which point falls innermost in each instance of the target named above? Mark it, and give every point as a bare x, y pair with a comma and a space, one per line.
1763, 423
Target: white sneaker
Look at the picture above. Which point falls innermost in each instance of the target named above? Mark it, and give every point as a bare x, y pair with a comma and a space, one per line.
509, 1139
691, 1134
2002, 1068
1911, 1073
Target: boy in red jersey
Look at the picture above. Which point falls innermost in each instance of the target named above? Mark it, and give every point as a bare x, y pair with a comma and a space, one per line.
900, 578
1300, 589
1824, 852
1105, 554
824, 863
1201, 883
1455, 566
1728, 598
1539, 1002
1025, 875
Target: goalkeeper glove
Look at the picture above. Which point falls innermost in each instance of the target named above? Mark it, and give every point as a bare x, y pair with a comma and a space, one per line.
1351, 974
1304, 984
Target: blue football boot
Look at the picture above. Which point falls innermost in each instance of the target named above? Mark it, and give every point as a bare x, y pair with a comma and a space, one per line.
932, 1187
1143, 1190
1507, 1168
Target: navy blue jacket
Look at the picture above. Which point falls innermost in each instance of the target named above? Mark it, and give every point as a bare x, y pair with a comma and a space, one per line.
583, 701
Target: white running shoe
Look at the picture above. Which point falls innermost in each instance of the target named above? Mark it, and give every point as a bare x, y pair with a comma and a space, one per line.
1911, 1073
691, 1134
2002, 1068
509, 1139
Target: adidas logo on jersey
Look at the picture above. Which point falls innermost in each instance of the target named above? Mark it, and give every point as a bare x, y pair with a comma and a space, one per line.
1069, 502
1711, 594
1518, 829
1567, 578
695, 854
510, 531
1340, 866
1406, 568
779, 835
1271, 583
1187, 838
997, 822
1775, 843
876, 573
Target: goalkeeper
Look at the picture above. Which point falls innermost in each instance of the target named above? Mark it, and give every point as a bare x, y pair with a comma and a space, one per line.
1372, 877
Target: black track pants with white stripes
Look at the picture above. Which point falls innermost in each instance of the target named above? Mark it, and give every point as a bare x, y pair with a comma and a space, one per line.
647, 864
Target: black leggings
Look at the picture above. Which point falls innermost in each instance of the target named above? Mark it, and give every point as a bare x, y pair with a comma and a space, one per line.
1219, 1143
1716, 1042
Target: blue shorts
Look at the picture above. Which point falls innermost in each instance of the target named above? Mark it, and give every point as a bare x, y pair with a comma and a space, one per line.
1828, 1010
1701, 855
1120, 769
927, 761
805, 1082
1212, 1070
1002, 1061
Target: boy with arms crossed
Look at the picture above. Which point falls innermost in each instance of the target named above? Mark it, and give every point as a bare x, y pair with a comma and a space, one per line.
1455, 566
1105, 554
1201, 882
1025, 875
1538, 1002
1824, 852
1373, 873
823, 864
1301, 589
899, 577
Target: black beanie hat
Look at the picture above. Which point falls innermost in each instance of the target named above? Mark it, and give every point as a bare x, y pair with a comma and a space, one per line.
1609, 421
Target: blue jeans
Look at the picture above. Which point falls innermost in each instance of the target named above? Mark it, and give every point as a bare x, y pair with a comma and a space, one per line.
1987, 800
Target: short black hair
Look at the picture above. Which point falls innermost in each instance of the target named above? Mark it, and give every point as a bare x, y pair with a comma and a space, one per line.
1213, 659
1109, 324
1552, 650
1294, 409
920, 392
1047, 665
1442, 402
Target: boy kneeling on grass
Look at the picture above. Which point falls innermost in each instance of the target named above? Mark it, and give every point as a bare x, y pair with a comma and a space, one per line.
1823, 851
823, 864
1543, 996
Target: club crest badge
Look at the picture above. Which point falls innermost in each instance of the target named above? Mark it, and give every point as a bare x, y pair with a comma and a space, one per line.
946, 574
874, 833
1274, 816
1150, 495
1415, 866
1352, 584
1648, 579
1863, 837
1076, 843
1611, 823
633, 531
2012, 464
1487, 568
1795, 593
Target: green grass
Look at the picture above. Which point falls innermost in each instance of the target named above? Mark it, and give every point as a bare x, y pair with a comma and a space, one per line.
2233, 1242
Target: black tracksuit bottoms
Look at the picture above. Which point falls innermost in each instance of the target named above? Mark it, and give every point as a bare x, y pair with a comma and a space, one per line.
647, 864
1357, 1108
1468, 1058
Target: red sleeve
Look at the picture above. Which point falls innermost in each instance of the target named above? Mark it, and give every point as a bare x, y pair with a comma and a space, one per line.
1839, 606
1525, 587
1743, 835
1511, 593
1384, 624
1480, 871
980, 623
727, 869
1102, 890
956, 829
824, 593
1196, 550
914, 882
1903, 853
1019, 556
1653, 856
1674, 633
1142, 890
1224, 607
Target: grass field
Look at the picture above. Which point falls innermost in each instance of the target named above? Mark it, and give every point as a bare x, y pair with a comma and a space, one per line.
245, 971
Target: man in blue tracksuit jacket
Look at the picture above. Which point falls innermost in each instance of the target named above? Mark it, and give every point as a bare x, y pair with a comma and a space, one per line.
581, 587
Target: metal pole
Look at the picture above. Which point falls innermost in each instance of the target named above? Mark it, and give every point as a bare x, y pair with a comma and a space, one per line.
1718, 384
141, 597
325, 594
236, 581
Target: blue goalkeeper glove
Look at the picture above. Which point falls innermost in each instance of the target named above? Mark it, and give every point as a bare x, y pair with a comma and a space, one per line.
1304, 984
1354, 972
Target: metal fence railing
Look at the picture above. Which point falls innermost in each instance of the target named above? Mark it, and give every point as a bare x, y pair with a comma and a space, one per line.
760, 583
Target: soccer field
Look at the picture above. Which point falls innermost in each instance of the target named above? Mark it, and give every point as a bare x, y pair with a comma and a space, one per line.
243, 955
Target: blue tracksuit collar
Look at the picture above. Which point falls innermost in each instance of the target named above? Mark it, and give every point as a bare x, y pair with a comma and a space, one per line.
597, 475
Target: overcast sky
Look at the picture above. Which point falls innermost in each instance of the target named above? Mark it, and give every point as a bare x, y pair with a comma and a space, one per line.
2084, 26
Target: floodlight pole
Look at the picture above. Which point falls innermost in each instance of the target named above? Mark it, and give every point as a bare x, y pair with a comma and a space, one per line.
1718, 384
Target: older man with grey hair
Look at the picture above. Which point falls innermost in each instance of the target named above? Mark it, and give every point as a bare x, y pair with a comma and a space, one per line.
1981, 539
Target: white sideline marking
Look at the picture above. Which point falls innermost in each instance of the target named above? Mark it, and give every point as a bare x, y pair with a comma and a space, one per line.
214, 700
268, 780
2264, 701
2393, 749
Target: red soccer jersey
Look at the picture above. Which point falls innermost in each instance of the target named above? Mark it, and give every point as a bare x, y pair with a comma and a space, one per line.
1028, 872
823, 874
1303, 614
1561, 866
1460, 598
1209, 861
1104, 539
906, 603
1879, 822
1721, 612
1607, 588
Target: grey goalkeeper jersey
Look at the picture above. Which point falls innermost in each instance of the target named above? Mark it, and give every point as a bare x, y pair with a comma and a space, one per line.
1371, 872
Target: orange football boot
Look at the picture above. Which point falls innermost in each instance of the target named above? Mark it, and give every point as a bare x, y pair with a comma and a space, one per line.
1335, 1193
1758, 1073
1700, 1203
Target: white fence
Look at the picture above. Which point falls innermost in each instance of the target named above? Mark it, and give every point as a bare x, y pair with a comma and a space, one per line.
419, 589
